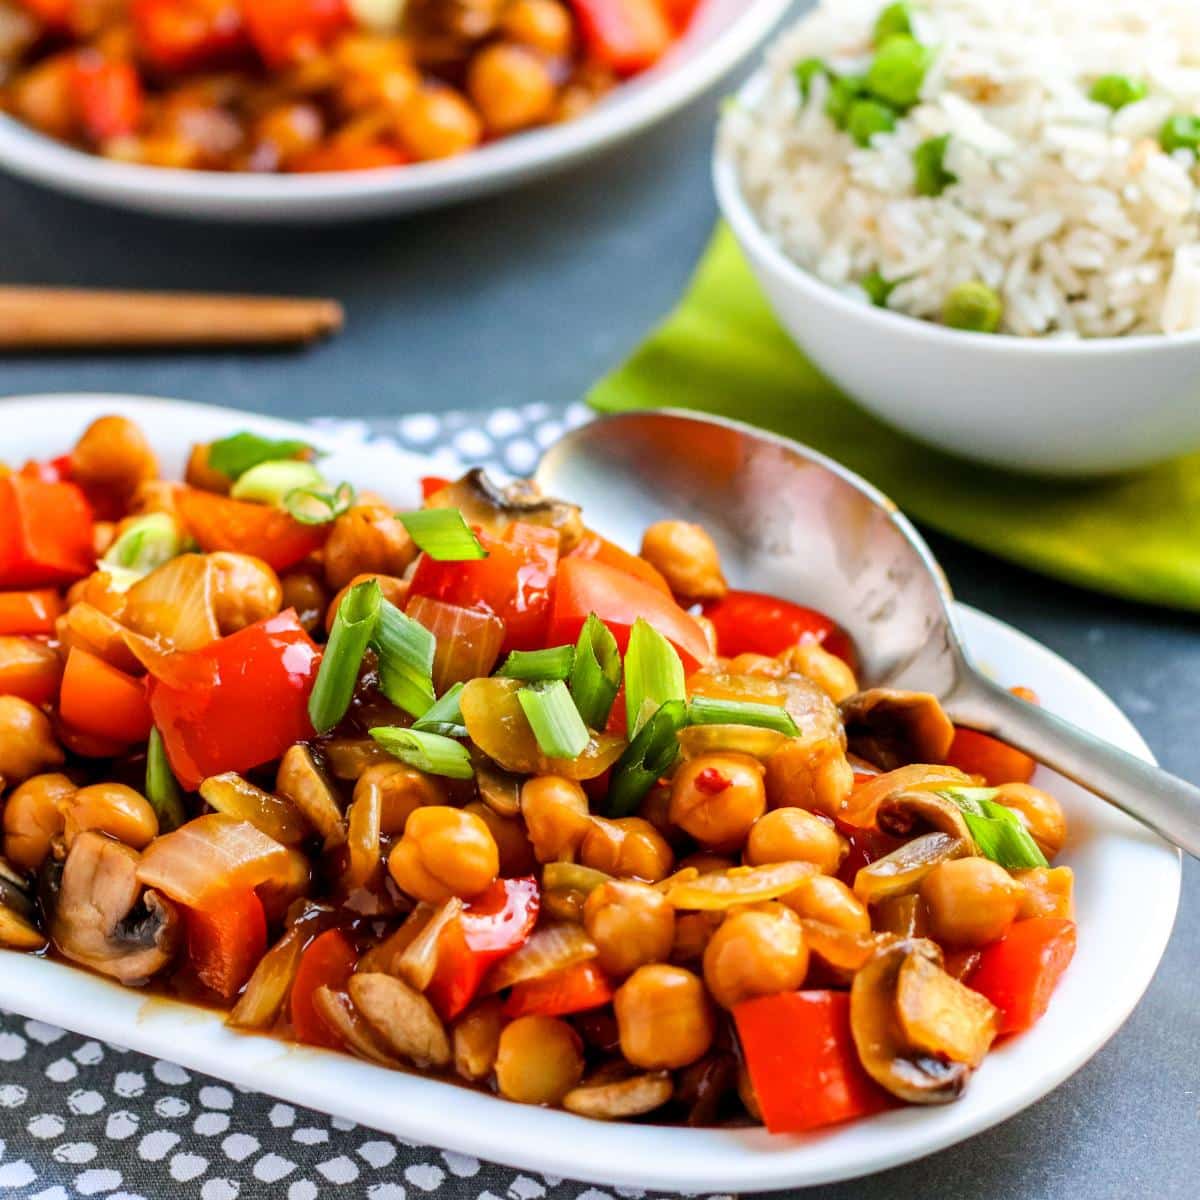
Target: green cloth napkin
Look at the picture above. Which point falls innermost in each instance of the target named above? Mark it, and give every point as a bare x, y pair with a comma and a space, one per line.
722, 351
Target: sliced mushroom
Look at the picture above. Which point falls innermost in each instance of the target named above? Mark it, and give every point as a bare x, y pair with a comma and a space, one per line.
486, 504
18, 913
302, 781
499, 790
402, 1017
892, 728
887, 1053
901, 872
905, 813
100, 916
338, 1012
620, 1100
942, 1016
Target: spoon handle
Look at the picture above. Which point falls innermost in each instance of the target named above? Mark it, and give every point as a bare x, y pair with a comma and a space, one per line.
1168, 805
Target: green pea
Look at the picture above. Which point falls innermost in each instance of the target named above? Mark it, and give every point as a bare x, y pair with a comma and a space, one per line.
805, 72
974, 307
866, 118
896, 75
1116, 91
1181, 132
929, 163
877, 288
895, 19
843, 91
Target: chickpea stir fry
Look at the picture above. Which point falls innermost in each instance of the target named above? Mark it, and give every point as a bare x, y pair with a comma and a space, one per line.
316, 85
470, 789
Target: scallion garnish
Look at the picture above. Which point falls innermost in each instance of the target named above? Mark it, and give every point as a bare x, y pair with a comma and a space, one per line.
443, 534
312, 506
444, 716
997, 829
653, 675
428, 752
538, 665
596, 672
703, 710
162, 789
147, 542
646, 759
405, 649
554, 719
353, 627
233, 456
270, 482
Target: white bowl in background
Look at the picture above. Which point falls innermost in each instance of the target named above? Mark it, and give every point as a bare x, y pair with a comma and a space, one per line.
1049, 406
721, 34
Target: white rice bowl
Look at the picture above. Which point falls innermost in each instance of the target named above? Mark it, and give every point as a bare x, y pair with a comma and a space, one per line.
1072, 212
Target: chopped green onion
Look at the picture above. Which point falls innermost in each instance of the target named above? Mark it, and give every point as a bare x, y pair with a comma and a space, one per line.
646, 759
805, 71
233, 456
311, 506
929, 166
405, 649
162, 789
536, 665
997, 830
444, 716
877, 288
428, 752
147, 542
269, 482
443, 533
554, 719
703, 710
596, 674
895, 19
353, 627
653, 675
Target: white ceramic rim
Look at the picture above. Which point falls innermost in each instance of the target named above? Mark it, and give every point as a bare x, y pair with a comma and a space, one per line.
633, 107
1086, 1012
745, 224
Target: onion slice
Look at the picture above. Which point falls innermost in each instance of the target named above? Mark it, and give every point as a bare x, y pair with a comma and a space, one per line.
419, 961
175, 602
278, 819
551, 949
262, 1001
740, 885
468, 642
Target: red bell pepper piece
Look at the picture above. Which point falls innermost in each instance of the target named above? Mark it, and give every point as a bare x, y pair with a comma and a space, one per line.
286, 31
626, 35
803, 1063
29, 613
1019, 973
328, 961
754, 623
225, 940
978, 754
220, 523
45, 533
864, 847
571, 990
29, 668
52, 470
514, 582
593, 546
236, 703
432, 484
493, 925
177, 35
349, 156
680, 13
618, 600
107, 95
99, 699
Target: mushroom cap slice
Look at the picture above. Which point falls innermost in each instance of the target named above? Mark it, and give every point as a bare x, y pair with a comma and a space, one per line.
942, 1016
892, 728
905, 813
620, 1099
18, 913
402, 1017
300, 780
338, 1012
492, 507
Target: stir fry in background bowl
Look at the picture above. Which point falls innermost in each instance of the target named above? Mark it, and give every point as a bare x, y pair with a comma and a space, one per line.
315, 85
472, 790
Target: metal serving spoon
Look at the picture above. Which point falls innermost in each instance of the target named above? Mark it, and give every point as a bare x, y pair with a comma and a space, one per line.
797, 524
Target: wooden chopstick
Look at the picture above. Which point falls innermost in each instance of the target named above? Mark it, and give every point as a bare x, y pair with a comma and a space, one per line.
33, 318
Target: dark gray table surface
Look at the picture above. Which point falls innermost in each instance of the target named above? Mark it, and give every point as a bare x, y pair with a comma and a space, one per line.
530, 297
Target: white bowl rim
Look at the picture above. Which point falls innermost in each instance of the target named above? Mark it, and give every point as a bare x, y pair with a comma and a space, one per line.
634, 106
741, 217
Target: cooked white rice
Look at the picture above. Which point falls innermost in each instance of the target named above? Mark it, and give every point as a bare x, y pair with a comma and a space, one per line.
1071, 211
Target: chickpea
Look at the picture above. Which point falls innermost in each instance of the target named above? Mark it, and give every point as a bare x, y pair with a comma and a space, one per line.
394, 590
829, 900
368, 539
511, 87
717, 798
1049, 892
27, 743
833, 676
706, 863
153, 496
444, 852
43, 97
476, 1039
542, 25
113, 454
556, 816
686, 557
631, 923
199, 474
812, 775
402, 791
437, 122
37, 665
664, 1017
306, 594
33, 818
512, 842
693, 932
970, 901
1040, 813
754, 954
656, 808
628, 848
114, 809
244, 590
539, 1060
288, 130
795, 835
